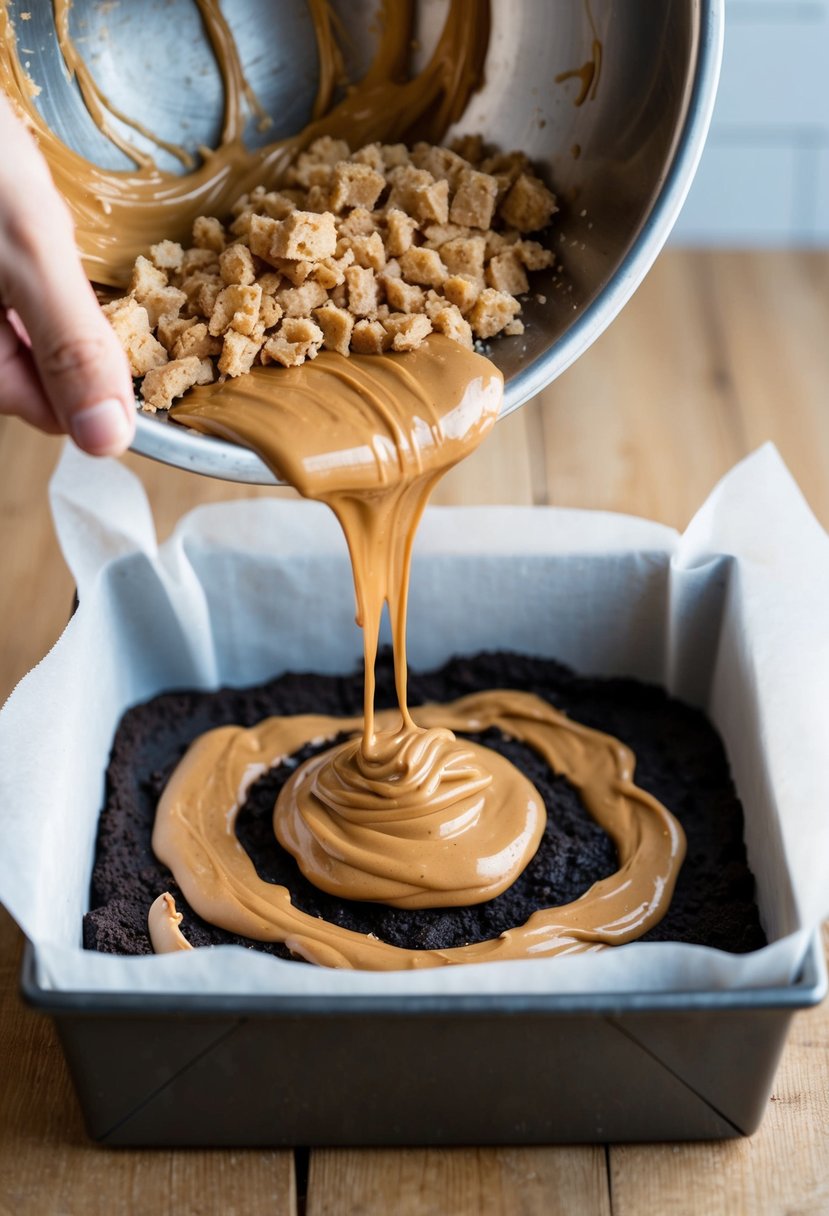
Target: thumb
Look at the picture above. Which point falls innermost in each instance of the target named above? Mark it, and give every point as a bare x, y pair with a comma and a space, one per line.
75, 355
82, 369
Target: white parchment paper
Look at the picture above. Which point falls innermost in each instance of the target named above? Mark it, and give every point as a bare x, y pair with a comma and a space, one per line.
732, 616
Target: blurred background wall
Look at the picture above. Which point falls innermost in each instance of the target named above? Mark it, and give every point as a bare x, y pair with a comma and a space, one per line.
764, 175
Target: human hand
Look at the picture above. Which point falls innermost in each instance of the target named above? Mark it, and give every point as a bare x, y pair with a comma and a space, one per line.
61, 366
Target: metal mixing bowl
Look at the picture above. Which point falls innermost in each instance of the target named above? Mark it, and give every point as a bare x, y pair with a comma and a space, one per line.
621, 162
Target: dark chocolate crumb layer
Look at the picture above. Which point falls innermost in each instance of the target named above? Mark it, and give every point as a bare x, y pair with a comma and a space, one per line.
680, 760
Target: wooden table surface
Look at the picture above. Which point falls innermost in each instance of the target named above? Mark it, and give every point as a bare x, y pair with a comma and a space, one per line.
716, 353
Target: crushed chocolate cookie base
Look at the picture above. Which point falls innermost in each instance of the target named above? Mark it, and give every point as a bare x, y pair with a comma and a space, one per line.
679, 759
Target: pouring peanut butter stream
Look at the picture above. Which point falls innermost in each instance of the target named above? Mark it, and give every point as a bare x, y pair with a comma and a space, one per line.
404, 812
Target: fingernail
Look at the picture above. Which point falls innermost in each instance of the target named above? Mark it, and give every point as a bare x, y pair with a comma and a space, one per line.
102, 429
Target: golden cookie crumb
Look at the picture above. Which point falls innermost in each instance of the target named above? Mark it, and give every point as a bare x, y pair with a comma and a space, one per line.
493, 310
370, 338
296, 340
337, 325
163, 384
528, 205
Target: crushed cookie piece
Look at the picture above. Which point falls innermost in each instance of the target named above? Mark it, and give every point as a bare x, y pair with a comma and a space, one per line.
208, 293
301, 301
448, 321
400, 230
423, 266
238, 353
358, 222
403, 296
465, 255
370, 338
474, 201
436, 235
208, 233
306, 235
277, 205
236, 307
534, 256
270, 282
394, 155
236, 265
195, 340
407, 330
206, 372
372, 155
270, 313
369, 251
505, 272
146, 278
337, 325
260, 235
528, 205
311, 166
493, 310
354, 185
330, 272
416, 192
295, 272
131, 323
297, 339
442, 163
198, 259
462, 290
167, 255
171, 327
470, 147
362, 291
163, 301
163, 384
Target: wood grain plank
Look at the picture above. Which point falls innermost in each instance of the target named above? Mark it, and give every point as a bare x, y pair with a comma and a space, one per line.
463, 1182
499, 472
35, 587
715, 354
49, 1168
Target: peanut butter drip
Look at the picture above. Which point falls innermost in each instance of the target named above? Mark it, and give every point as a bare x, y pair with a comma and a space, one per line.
407, 815
118, 214
163, 922
195, 836
403, 812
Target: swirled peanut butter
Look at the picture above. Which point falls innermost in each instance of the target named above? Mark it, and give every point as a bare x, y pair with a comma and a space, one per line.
119, 214
195, 835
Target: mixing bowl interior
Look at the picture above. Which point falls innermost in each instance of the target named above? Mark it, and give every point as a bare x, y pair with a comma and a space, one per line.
620, 161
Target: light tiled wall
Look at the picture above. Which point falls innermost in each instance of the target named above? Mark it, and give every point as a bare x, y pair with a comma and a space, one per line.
764, 175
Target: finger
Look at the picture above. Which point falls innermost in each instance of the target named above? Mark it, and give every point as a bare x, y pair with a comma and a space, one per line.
82, 369
20, 389
80, 363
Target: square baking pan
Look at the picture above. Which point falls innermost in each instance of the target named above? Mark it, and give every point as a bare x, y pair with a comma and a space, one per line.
252, 1055
552, 1069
